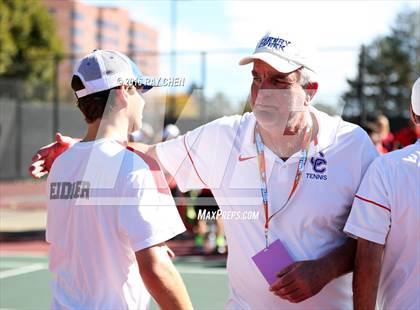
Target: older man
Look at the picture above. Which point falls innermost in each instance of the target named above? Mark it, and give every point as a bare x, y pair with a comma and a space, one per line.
385, 218
298, 167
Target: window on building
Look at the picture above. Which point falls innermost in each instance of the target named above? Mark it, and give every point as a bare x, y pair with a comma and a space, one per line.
76, 31
107, 39
77, 15
76, 48
140, 35
107, 24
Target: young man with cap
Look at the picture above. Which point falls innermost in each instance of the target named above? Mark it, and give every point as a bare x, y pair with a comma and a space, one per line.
385, 219
296, 166
109, 209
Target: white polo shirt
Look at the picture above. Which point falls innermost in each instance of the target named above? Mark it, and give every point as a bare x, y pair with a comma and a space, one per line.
386, 210
105, 203
221, 155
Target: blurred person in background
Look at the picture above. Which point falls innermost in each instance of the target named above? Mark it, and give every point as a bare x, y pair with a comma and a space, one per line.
385, 135
213, 228
375, 136
406, 136
385, 219
170, 132
143, 135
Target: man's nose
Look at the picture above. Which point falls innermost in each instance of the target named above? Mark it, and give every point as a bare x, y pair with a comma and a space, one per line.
265, 96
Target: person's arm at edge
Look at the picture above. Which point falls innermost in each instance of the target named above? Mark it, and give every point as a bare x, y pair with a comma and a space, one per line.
162, 279
367, 269
45, 156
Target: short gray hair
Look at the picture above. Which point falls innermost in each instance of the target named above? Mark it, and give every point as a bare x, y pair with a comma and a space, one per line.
307, 76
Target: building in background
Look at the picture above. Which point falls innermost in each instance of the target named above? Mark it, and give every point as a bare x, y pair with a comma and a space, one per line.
144, 38
84, 27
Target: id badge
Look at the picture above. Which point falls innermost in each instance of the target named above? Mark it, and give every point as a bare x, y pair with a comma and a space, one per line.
272, 260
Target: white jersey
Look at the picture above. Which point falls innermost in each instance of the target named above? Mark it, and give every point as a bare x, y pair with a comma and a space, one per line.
221, 155
386, 211
105, 203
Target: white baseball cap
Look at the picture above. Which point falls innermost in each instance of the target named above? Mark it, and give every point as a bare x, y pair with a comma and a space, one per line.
415, 97
281, 52
102, 70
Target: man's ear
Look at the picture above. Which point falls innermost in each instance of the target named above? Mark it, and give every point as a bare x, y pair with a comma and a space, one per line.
310, 90
122, 96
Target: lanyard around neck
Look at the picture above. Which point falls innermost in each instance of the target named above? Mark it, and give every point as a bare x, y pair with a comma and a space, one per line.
263, 175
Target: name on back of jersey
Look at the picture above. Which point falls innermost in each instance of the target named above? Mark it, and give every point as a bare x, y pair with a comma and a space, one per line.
69, 190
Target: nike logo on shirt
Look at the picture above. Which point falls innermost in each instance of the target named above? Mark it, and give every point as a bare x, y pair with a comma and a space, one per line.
245, 158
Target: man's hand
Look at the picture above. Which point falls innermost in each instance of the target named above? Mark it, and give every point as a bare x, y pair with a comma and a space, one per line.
44, 158
305, 279
300, 281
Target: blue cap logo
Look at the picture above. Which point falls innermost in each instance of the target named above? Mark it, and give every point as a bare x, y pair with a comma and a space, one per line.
273, 43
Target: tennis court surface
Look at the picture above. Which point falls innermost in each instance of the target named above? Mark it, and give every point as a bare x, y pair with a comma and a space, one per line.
24, 275
24, 281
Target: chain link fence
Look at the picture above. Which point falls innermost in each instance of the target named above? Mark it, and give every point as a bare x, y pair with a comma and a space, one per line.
32, 112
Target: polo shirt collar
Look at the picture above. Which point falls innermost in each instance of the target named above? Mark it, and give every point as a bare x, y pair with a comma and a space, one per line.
327, 134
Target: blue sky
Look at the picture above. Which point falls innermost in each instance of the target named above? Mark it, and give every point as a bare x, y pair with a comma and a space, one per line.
334, 29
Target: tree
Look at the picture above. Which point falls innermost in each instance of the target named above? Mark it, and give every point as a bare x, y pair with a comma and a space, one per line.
29, 43
387, 69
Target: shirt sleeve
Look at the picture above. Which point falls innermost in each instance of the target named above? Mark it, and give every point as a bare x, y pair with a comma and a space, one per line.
148, 215
197, 159
370, 216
